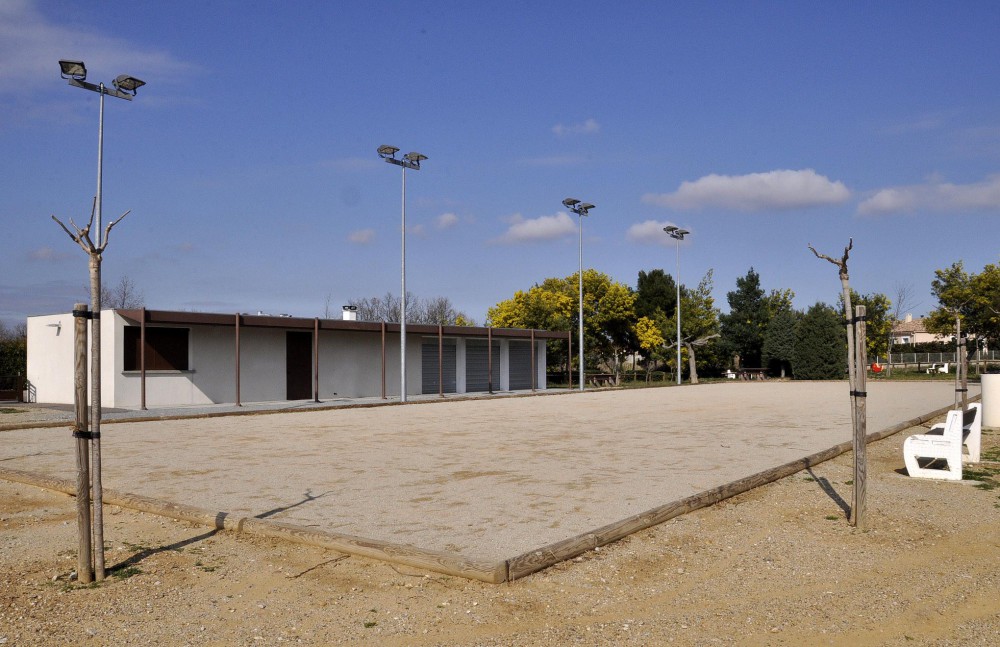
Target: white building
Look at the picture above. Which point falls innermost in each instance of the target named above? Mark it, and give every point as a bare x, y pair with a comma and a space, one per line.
165, 358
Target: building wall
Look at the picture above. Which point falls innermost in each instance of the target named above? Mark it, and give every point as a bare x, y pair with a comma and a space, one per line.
350, 365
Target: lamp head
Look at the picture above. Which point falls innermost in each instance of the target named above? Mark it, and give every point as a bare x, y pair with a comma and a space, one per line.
670, 229
385, 151
73, 70
586, 206
682, 232
416, 158
127, 84
570, 202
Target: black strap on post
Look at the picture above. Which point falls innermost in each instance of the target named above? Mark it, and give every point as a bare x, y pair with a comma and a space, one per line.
859, 394
89, 435
85, 314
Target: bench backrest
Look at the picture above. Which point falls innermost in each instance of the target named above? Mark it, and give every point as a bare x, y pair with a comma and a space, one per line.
953, 427
969, 416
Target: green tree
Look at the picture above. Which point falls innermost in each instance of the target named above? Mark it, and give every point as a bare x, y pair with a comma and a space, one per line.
878, 320
655, 292
972, 299
743, 328
820, 345
608, 314
699, 322
779, 301
13, 350
778, 350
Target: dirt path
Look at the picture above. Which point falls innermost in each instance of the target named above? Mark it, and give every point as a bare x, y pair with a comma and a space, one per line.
776, 566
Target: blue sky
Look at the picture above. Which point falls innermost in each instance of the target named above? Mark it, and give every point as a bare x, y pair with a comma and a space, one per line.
248, 160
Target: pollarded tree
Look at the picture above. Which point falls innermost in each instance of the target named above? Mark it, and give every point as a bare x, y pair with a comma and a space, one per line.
820, 342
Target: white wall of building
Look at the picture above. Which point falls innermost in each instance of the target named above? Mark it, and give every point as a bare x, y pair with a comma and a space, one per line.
350, 365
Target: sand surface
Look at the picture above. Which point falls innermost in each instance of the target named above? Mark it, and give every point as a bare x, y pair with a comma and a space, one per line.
487, 479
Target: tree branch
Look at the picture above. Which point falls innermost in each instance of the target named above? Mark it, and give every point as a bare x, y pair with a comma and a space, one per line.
107, 230
842, 263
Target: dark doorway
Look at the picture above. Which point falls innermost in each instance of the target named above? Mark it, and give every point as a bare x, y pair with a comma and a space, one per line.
298, 365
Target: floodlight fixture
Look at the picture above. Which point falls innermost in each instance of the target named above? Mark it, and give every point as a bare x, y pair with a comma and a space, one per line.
570, 202
126, 83
385, 151
416, 158
670, 229
73, 70
585, 207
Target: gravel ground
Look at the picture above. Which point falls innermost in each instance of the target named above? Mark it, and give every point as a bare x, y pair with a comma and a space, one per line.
779, 565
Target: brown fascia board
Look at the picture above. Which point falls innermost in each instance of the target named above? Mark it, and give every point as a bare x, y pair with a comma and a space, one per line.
177, 318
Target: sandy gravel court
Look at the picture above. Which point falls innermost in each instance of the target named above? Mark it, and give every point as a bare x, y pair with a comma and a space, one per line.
487, 479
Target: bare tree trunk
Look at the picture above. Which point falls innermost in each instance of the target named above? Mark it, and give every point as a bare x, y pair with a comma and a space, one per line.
95, 414
692, 364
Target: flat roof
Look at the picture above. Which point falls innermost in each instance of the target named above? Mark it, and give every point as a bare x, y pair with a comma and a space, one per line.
173, 317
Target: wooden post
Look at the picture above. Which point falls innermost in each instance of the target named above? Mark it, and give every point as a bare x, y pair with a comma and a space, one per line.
383, 360
569, 358
84, 569
440, 360
238, 360
860, 420
489, 357
534, 369
142, 358
316, 359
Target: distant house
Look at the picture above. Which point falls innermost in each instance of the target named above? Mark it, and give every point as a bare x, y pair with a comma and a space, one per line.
166, 358
912, 331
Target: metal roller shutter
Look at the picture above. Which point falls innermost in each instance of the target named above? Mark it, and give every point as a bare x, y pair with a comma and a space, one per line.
429, 366
520, 365
477, 366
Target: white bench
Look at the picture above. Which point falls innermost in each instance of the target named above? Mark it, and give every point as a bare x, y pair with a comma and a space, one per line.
944, 442
972, 432
938, 368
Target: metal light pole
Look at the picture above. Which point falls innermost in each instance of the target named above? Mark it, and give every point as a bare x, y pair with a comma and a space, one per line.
409, 161
678, 234
125, 86
581, 209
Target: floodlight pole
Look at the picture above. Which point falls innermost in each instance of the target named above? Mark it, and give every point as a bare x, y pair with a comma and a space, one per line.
409, 161
581, 209
678, 235
125, 87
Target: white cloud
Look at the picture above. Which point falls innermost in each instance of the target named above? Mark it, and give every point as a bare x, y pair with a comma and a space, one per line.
935, 195
31, 45
774, 190
446, 221
650, 232
554, 160
361, 236
45, 254
524, 230
588, 127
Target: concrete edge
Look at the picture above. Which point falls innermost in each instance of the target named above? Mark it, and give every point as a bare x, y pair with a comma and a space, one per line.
452, 563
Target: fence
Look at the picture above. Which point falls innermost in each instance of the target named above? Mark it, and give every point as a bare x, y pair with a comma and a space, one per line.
926, 359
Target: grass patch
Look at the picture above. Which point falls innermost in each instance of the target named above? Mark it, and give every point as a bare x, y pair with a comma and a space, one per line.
125, 573
9, 410
832, 517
